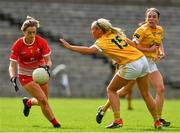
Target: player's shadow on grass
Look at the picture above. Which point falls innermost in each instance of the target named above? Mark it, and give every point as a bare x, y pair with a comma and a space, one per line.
166, 129
40, 126
63, 127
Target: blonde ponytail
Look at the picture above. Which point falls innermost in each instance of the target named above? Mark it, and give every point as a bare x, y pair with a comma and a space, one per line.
106, 26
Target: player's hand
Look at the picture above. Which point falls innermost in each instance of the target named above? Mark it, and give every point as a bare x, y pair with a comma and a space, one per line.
46, 67
14, 82
113, 62
153, 48
65, 43
161, 55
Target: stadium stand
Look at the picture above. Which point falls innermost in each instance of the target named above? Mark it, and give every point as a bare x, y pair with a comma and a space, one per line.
72, 21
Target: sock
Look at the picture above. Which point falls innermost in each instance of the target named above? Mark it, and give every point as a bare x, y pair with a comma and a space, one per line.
106, 106
156, 119
116, 116
54, 121
28, 103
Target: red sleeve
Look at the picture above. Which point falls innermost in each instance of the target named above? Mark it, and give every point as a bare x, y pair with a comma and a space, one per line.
15, 51
45, 48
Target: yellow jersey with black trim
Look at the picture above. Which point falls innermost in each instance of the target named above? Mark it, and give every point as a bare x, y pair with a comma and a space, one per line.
146, 37
115, 47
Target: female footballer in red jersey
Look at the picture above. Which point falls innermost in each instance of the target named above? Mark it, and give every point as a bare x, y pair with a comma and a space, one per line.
30, 52
134, 66
148, 39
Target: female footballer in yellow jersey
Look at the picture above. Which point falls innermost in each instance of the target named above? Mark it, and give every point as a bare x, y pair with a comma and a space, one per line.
148, 39
134, 66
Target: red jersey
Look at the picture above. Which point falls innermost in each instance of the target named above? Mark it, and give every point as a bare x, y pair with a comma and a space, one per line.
29, 56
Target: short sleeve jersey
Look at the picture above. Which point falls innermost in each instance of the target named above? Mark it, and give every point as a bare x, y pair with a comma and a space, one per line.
146, 37
116, 48
29, 57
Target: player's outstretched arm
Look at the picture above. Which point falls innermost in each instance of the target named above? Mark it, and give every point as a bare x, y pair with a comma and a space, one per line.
79, 49
12, 74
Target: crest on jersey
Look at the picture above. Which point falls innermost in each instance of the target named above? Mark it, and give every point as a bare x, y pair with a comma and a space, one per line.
137, 36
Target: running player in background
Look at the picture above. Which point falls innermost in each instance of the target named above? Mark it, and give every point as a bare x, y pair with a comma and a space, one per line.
134, 66
30, 52
148, 39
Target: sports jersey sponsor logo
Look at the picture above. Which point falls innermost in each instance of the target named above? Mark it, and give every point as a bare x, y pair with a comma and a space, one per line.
156, 33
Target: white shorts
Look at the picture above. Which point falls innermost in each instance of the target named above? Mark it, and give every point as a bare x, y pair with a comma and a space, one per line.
152, 65
134, 70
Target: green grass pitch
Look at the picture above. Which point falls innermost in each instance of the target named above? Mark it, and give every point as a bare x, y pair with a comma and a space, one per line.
78, 115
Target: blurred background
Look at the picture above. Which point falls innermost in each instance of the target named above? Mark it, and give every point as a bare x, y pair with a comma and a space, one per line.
74, 75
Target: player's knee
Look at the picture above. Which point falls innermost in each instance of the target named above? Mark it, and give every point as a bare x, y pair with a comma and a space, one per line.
111, 90
145, 94
160, 89
43, 101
